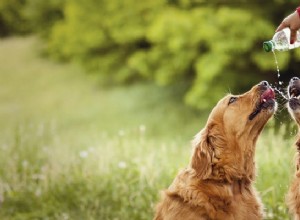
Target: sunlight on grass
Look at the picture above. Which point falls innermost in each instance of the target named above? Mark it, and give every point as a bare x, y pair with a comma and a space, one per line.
73, 150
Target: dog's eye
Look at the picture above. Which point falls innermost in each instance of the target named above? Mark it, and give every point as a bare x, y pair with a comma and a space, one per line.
232, 100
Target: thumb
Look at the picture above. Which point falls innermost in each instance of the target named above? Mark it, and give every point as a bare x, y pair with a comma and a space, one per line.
293, 36
281, 26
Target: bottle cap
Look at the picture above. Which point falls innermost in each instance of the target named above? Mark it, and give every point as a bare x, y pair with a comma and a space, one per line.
268, 46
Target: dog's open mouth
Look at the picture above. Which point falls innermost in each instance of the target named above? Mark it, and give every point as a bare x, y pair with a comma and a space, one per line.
294, 92
267, 100
294, 96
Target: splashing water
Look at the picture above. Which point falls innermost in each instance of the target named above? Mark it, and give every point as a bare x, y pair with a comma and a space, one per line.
278, 75
281, 93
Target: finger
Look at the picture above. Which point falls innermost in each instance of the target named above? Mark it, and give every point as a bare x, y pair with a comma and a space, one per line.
293, 36
281, 26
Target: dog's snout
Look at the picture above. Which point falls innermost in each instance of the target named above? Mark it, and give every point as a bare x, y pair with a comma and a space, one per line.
294, 79
264, 83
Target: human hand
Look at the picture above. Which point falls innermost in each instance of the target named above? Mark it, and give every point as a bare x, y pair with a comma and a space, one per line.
293, 22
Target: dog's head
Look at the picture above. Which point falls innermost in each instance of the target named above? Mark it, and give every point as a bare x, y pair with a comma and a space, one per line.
241, 113
294, 98
226, 144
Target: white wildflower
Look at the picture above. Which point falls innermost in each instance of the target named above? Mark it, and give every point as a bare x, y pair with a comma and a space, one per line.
38, 192
91, 149
83, 154
65, 216
122, 164
25, 163
121, 133
142, 128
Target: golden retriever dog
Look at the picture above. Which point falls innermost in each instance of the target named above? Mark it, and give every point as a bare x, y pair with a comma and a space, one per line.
293, 196
218, 182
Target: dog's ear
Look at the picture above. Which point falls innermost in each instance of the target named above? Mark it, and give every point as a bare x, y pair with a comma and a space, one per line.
201, 160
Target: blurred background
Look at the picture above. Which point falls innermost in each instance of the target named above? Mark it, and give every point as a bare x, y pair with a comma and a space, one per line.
99, 100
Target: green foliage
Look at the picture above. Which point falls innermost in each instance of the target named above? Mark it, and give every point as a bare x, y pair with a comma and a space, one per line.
104, 40
208, 44
11, 17
168, 42
42, 15
26, 16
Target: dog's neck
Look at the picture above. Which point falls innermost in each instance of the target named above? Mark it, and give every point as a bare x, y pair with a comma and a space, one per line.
187, 186
241, 166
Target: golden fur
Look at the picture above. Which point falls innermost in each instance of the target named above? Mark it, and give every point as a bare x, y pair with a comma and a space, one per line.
217, 184
293, 195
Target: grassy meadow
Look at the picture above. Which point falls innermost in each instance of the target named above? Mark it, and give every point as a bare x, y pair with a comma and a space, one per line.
71, 149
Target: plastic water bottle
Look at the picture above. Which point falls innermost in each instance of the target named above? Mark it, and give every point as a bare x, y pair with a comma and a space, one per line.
281, 41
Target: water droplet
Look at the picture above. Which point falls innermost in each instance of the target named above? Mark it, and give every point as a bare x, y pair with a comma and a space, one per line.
278, 72
281, 93
276, 63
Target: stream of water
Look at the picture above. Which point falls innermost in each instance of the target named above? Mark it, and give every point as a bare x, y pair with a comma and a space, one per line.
280, 83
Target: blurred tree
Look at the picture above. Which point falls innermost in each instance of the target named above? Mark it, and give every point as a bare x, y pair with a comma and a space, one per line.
42, 15
216, 45
11, 17
104, 34
27, 16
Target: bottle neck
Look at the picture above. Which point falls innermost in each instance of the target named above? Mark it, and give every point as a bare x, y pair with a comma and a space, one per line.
269, 45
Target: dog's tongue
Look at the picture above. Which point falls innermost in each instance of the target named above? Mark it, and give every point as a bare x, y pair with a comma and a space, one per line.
268, 94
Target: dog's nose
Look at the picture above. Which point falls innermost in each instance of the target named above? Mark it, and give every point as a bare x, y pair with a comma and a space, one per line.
264, 83
294, 79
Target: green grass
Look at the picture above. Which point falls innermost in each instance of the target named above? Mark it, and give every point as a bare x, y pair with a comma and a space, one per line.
71, 149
